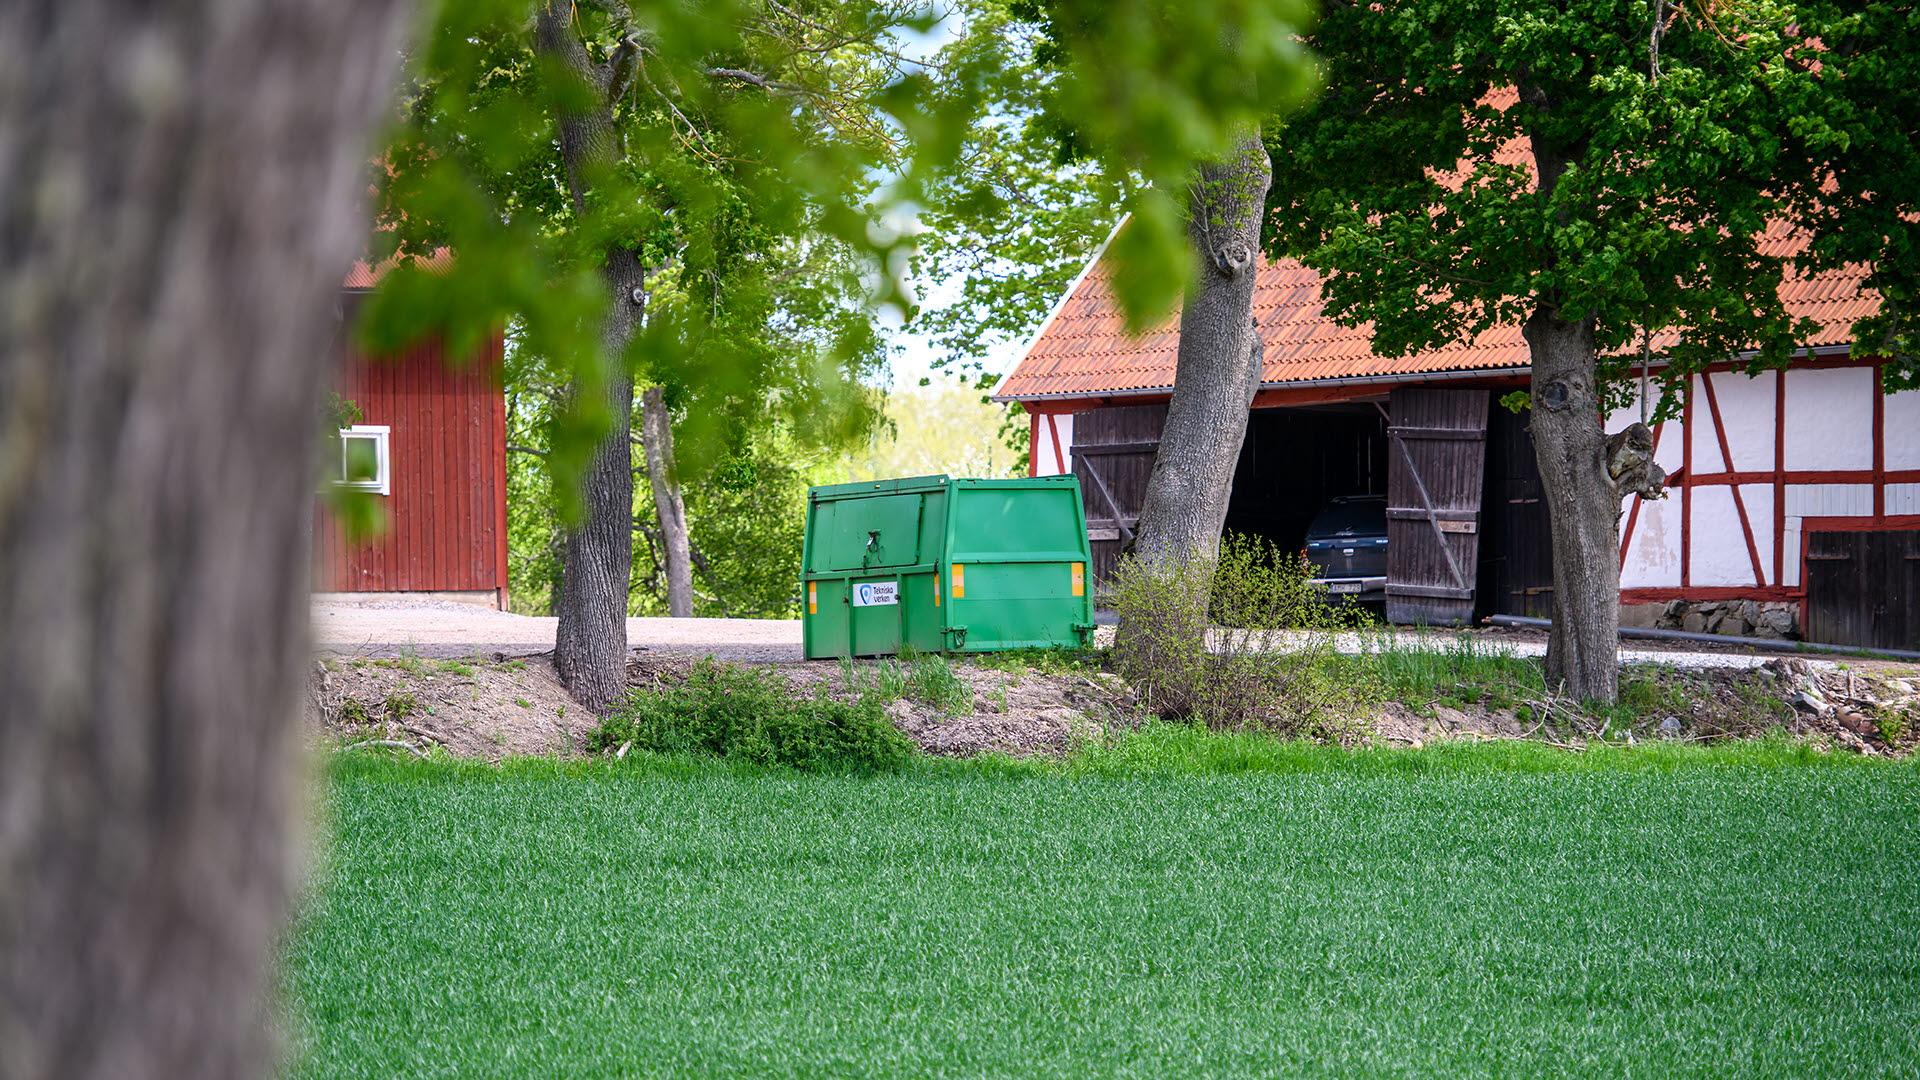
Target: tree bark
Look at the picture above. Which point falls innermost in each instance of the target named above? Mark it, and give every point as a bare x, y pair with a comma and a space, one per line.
1583, 507
590, 642
657, 433
1569, 445
1218, 365
178, 188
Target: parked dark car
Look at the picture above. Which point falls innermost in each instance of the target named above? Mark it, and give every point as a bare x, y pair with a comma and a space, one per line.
1347, 546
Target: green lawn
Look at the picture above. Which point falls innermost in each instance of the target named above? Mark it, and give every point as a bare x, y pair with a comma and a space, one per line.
1430, 919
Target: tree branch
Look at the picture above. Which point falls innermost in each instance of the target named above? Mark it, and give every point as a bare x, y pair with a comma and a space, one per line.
620, 67
761, 81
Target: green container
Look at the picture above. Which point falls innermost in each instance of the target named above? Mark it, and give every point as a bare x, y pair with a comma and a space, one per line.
945, 565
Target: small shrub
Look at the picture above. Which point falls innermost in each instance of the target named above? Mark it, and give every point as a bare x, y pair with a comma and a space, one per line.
400, 704
883, 681
930, 678
1205, 639
1891, 722
755, 716
355, 714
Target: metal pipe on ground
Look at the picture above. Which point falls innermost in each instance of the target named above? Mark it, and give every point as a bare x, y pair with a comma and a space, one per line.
1717, 639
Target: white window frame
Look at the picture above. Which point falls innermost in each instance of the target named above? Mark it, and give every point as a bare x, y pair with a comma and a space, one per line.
382, 482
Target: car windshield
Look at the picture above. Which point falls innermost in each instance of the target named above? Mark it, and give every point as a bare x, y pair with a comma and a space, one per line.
1356, 517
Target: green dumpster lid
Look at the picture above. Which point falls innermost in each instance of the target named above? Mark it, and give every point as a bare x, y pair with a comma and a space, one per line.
880, 487
937, 482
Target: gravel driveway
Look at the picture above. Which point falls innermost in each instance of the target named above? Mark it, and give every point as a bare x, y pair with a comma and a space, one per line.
445, 629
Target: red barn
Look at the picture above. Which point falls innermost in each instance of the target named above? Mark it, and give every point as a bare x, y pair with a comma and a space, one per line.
431, 445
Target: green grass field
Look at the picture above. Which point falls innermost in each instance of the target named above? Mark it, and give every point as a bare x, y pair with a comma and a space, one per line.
1398, 914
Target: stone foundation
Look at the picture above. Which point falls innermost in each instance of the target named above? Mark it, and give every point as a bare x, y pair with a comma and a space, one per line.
1735, 618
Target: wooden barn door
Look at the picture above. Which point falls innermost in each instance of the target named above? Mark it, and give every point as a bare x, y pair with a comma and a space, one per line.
1862, 588
1516, 539
1436, 458
1113, 451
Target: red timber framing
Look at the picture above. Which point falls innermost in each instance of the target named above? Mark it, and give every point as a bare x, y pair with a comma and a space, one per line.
1043, 433
1769, 581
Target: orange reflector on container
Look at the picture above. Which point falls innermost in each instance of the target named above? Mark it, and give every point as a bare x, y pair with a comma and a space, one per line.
959, 581
936, 590
1079, 579
813, 598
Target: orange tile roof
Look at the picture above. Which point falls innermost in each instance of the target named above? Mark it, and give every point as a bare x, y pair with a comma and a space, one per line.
1083, 349
365, 276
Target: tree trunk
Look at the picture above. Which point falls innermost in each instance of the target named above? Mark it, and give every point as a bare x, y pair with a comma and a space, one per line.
590, 640
657, 432
1583, 507
590, 643
1569, 444
178, 188
1218, 367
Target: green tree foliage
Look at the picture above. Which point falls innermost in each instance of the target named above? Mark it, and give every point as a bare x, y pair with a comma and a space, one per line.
1008, 229
1145, 91
942, 427
746, 512
734, 170
1098, 110
1411, 182
763, 151
1863, 54
1591, 169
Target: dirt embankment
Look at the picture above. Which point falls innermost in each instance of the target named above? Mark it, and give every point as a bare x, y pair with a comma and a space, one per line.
489, 709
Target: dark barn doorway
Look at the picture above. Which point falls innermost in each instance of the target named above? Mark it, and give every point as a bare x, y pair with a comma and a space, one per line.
1516, 549
1296, 460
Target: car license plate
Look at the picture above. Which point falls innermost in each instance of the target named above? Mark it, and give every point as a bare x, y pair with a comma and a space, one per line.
1344, 587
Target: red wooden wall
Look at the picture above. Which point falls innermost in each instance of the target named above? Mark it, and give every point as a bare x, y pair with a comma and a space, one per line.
447, 514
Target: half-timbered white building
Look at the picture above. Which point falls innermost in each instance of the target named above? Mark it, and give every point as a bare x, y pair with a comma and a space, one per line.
1794, 496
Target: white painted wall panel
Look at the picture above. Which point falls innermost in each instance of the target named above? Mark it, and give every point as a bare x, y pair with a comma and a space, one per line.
1719, 548
1830, 500
1829, 419
1746, 411
1620, 418
1759, 502
1706, 443
1903, 433
1049, 463
1672, 449
1653, 552
1903, 499
1790, 573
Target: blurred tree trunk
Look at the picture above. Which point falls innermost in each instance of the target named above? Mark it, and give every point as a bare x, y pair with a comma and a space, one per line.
177, 209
